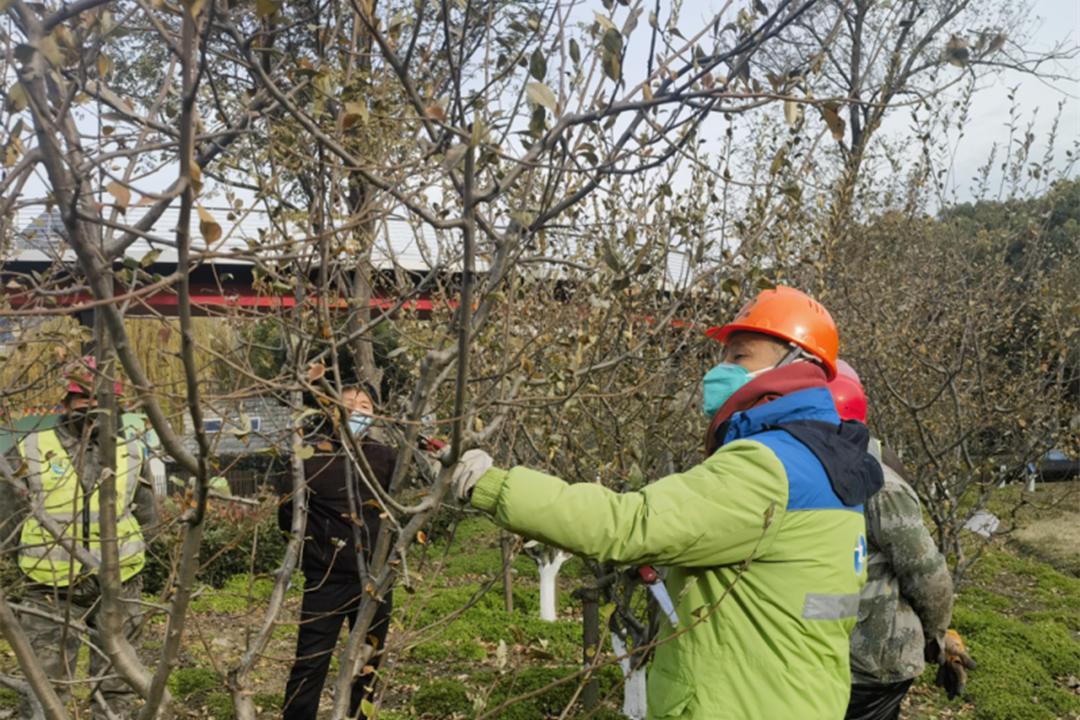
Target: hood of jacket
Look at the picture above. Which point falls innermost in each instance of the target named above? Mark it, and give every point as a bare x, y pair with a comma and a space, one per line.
765, 388
810, 417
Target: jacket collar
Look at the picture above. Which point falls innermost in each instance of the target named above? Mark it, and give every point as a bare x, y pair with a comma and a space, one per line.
765, 389
811, 404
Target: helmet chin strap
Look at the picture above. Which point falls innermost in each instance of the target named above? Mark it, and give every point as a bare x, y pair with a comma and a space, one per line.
794, 354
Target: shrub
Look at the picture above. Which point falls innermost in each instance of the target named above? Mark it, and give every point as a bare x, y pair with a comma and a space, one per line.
445, 649
236, 540
200, 690
238, 595
11, 577
268, 701
442, 699
9, 698
189, 682
220, 706
488, 621
551, 702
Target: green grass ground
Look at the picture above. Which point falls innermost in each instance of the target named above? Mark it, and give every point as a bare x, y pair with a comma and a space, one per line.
1019, 610
1019, 613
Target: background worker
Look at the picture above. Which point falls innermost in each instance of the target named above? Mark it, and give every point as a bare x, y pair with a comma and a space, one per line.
333, 583
63, 473
906, 604
782, 487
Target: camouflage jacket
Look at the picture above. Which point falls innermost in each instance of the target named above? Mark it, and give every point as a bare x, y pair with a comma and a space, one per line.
908, 594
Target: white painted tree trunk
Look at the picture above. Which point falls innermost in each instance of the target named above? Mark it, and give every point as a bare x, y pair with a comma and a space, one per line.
549, 564
634, 698
157, 471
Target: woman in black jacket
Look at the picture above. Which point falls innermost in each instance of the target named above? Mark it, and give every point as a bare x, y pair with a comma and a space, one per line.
333, 549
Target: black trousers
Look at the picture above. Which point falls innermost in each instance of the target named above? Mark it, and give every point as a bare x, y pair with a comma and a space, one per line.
877, 702
326, 605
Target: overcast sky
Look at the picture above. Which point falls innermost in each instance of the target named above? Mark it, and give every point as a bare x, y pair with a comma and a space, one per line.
1054, 21
1051, 23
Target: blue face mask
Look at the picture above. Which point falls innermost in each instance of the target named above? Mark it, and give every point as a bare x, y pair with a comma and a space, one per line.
359, 424
720, 383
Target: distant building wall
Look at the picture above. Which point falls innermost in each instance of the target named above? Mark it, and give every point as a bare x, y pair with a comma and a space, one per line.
241, 436
242, 428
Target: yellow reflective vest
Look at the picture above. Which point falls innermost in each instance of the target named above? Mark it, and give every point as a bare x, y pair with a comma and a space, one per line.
56, 489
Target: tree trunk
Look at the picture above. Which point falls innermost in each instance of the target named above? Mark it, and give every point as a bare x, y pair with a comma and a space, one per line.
41, 690
549, 574
506, 544
634, 697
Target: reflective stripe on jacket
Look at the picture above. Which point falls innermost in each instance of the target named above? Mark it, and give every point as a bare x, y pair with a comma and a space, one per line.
764, 639
57, 489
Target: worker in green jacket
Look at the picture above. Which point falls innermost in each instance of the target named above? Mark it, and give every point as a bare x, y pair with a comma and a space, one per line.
782, 487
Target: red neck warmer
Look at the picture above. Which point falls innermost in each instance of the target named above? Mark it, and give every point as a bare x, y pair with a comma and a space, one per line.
765, 388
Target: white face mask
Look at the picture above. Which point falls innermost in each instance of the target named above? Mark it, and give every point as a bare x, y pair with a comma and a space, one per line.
359, 423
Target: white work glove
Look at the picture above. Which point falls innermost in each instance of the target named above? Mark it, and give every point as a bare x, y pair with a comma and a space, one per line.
466, 473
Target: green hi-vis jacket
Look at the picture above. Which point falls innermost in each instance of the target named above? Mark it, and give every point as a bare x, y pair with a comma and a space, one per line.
72, 502
772, 640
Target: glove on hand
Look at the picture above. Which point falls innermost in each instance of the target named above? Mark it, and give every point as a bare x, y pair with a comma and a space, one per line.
466, 473
954, 663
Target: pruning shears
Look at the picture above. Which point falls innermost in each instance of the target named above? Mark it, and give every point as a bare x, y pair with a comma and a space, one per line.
656, 586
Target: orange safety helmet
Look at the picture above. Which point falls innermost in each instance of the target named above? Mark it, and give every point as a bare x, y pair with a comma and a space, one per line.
791, 315
848, 393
